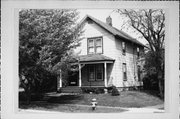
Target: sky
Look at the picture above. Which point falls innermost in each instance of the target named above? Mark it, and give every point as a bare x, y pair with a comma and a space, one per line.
117, 20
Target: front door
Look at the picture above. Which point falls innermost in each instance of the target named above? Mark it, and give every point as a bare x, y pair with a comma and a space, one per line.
73, 78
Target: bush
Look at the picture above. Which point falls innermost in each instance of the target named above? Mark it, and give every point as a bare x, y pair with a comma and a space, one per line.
110, 89
115, 92
34, 97
97, 90
150, 82
22, 96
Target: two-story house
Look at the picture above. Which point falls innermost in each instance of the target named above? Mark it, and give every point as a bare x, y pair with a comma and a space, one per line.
107, 56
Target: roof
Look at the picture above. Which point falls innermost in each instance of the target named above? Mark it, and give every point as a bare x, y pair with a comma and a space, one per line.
113, 30
94, 58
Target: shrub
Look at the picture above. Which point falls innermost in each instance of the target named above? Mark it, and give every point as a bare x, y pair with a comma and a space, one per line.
97, 90
115, 92
110, 89
36, 97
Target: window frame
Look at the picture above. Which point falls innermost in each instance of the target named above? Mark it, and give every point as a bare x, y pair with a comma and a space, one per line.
123, 48
139, 73
124, 73
94, 45
95, 72
138, 52
90, 80
102, 71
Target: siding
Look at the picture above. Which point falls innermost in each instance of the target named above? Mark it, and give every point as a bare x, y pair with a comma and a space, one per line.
131, 63
111, 48
93, 30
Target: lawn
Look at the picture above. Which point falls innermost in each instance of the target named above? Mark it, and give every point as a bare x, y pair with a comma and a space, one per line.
106, 102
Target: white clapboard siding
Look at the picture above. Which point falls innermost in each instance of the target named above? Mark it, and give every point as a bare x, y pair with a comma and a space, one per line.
112, 48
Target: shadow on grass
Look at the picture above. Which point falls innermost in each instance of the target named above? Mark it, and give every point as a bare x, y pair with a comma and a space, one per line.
36, 104
65, 99
153, 93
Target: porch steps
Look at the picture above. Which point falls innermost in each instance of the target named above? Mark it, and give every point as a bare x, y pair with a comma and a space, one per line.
71, 89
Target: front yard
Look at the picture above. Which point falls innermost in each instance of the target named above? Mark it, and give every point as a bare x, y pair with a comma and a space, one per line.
106, 102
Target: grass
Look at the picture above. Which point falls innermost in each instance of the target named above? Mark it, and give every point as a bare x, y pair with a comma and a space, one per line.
125, 99
74, 103
70, 108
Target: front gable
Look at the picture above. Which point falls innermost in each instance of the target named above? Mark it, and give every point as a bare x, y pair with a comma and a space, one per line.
92, 30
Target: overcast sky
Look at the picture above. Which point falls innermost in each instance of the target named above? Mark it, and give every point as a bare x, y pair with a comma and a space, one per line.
117, 20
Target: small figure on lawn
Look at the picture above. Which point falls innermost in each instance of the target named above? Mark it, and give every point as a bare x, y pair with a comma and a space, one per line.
94, 103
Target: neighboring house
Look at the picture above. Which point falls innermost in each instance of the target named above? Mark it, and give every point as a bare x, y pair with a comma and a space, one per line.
107, 56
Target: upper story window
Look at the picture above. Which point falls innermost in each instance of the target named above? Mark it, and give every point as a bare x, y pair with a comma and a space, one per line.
138, 54
123, 48
95, 45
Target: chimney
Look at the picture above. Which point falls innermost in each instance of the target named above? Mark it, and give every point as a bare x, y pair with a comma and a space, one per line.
109, 21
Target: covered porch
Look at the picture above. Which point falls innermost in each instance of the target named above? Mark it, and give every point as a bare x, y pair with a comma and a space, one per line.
94, 70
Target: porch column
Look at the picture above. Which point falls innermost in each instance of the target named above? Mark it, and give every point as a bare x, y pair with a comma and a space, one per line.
79, 75
60, 79
105, 74
59, 82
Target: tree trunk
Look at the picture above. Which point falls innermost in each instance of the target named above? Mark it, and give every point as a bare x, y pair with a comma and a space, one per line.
160, 84
161, 92
28, 95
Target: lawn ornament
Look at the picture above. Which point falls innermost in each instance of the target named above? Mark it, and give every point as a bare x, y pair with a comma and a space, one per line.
93, 104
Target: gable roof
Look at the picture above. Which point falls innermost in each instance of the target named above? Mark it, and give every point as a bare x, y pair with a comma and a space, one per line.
114, 31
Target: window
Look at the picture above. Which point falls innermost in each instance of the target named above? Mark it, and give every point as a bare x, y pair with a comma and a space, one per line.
95, 72
99, 72
139, 73
95, 45
138, 52
91, 73
124, 72
91, 46
123, 48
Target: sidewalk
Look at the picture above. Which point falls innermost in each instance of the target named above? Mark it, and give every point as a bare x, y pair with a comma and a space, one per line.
152, 109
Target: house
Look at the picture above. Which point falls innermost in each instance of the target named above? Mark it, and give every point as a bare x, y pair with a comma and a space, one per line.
107, 56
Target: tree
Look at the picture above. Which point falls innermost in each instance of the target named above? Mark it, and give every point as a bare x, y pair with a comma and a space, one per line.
150, 24
45, 37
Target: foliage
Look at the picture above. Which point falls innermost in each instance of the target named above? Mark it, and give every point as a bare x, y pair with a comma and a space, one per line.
110, 88
150, 23
150, 82
45, 37
97, 90
115, 92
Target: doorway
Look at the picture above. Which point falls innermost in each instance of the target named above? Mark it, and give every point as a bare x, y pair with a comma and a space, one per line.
73, 78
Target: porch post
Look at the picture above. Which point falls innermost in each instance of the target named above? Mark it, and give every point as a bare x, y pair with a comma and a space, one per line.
105, 74
79, 75
59, 81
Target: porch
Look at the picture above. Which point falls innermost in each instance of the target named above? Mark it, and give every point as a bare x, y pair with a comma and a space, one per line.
94, 71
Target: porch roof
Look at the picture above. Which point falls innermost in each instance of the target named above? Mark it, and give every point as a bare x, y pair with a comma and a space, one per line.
94, 58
